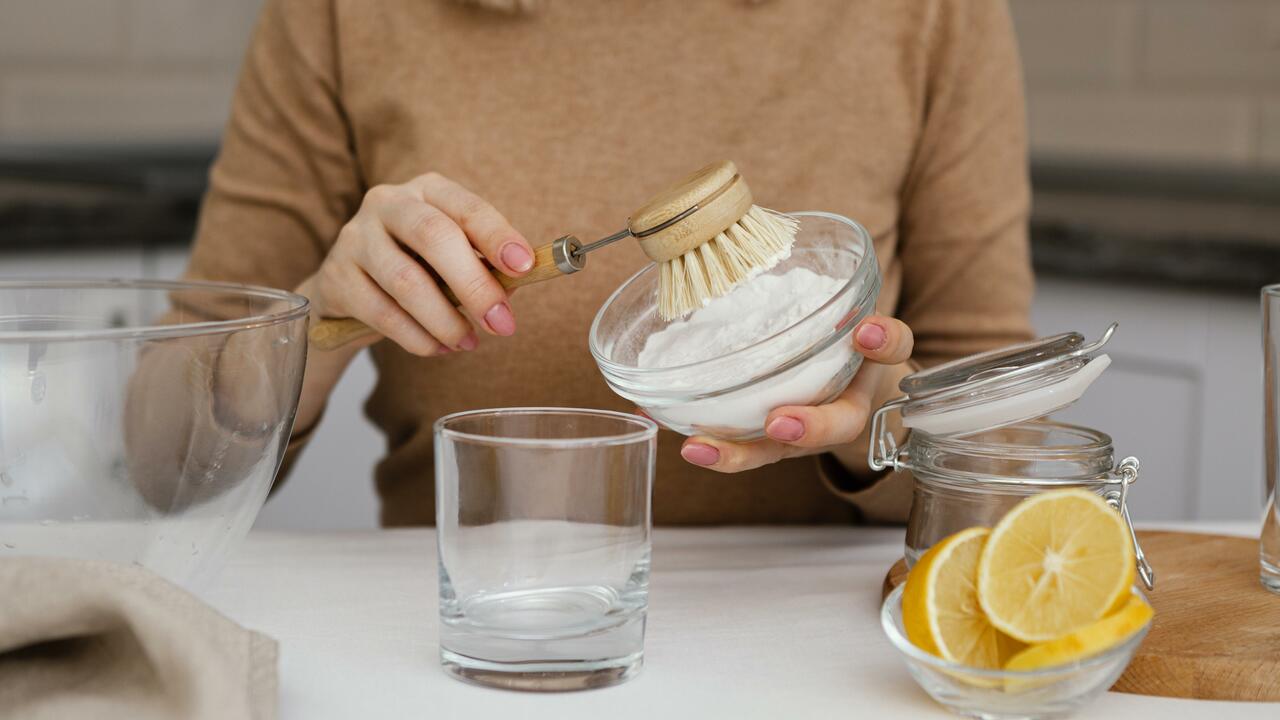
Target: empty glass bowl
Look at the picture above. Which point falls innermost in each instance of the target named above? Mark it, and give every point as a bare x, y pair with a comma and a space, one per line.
143, 422
1052, 692
730, 396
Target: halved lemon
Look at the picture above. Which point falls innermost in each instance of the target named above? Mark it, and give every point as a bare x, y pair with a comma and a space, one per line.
1053, 564
1088, 640
940, 609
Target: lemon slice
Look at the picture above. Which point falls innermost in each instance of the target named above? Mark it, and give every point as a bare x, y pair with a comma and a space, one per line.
940, 609
1088, 640
1055, 563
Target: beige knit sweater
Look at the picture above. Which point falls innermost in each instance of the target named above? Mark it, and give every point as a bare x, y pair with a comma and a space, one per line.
907, 116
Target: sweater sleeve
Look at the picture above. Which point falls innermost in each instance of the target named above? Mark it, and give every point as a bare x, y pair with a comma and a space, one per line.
967, 280
286, 178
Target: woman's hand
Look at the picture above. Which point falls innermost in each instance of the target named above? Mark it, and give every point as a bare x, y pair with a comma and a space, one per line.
808, 430
376, 271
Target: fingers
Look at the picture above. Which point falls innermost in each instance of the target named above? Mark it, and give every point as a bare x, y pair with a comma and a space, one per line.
883, 340
838, 422
365, 300
730, 457
487, 229
793, 431
442, 243
415, 291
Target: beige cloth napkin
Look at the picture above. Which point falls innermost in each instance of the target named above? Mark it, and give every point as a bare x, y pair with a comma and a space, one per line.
81, 639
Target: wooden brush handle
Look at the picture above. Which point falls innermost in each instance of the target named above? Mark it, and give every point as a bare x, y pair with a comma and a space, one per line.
549, 262
717, 190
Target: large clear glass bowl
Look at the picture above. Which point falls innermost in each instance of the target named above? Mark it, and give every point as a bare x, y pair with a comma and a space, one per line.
1052, 692
143, 422
808, 363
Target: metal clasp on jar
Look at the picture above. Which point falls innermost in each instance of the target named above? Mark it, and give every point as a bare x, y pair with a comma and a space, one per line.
1126, 474
884, 454
882, 451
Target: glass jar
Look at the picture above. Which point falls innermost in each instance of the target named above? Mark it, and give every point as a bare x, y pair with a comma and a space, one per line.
980, 443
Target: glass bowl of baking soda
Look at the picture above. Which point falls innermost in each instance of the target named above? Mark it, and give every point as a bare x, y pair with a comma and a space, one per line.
780, 338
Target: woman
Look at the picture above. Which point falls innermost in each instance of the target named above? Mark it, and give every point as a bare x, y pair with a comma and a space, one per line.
365, 132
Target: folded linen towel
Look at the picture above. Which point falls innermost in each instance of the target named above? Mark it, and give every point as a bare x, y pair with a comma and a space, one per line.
84, 639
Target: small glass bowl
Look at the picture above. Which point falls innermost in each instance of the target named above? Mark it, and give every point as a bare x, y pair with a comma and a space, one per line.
1052, 692
730, 396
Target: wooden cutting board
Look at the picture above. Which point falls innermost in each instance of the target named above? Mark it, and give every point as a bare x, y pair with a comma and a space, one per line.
1216, 633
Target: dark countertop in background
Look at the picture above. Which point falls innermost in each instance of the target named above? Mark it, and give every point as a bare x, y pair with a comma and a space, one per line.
1212, 228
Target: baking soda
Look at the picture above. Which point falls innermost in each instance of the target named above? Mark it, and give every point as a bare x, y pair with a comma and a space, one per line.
754, 311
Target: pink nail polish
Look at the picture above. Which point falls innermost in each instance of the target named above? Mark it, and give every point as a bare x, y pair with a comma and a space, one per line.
872, 337
786, 429
516, 257
500, 320
700, 454
468, 343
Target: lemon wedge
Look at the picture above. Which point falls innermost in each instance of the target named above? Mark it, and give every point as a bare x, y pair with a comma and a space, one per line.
1088, 640
1054, 564
940, 609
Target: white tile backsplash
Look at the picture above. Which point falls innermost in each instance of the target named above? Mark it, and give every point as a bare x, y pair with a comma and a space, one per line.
61, 31
122, 105
1087, 42
1176, 80
1208, 129
190, 30
1211, 41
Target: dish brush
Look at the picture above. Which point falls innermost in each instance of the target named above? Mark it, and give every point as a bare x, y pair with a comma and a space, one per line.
706, 233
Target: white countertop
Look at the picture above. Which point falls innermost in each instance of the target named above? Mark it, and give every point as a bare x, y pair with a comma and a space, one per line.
743, 623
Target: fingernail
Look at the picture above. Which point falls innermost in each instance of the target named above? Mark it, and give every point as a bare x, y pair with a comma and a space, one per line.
516, 257
700, 454
470, 342
443, 351
500, 320
786, 429
871, 336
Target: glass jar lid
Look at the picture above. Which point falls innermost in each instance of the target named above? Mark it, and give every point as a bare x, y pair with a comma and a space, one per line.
1004, 386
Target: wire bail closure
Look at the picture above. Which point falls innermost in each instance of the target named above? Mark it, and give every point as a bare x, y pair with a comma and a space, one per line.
882, 451
1127, 474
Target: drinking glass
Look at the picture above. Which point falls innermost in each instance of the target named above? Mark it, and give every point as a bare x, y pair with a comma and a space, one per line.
543, 520
1270, 556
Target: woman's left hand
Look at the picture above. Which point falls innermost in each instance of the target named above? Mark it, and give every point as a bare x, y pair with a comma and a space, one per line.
808, 430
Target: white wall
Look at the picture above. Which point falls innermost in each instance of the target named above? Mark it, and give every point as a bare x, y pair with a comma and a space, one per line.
1192, 81
1167, 80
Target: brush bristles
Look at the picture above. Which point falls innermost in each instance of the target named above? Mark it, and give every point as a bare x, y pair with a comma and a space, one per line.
754, 244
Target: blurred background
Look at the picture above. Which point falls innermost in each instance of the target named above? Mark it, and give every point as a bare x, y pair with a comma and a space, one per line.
1155, 128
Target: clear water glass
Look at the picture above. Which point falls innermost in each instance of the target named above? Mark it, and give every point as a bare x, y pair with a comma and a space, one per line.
1270, 555
543, 519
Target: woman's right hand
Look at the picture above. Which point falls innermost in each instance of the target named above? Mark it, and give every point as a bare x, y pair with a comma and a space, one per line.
375, 270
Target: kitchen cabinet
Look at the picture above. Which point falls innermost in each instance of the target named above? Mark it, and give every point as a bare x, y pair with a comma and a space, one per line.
1183, 394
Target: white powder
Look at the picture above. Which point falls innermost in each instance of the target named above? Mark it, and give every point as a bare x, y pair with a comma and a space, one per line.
753, 311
